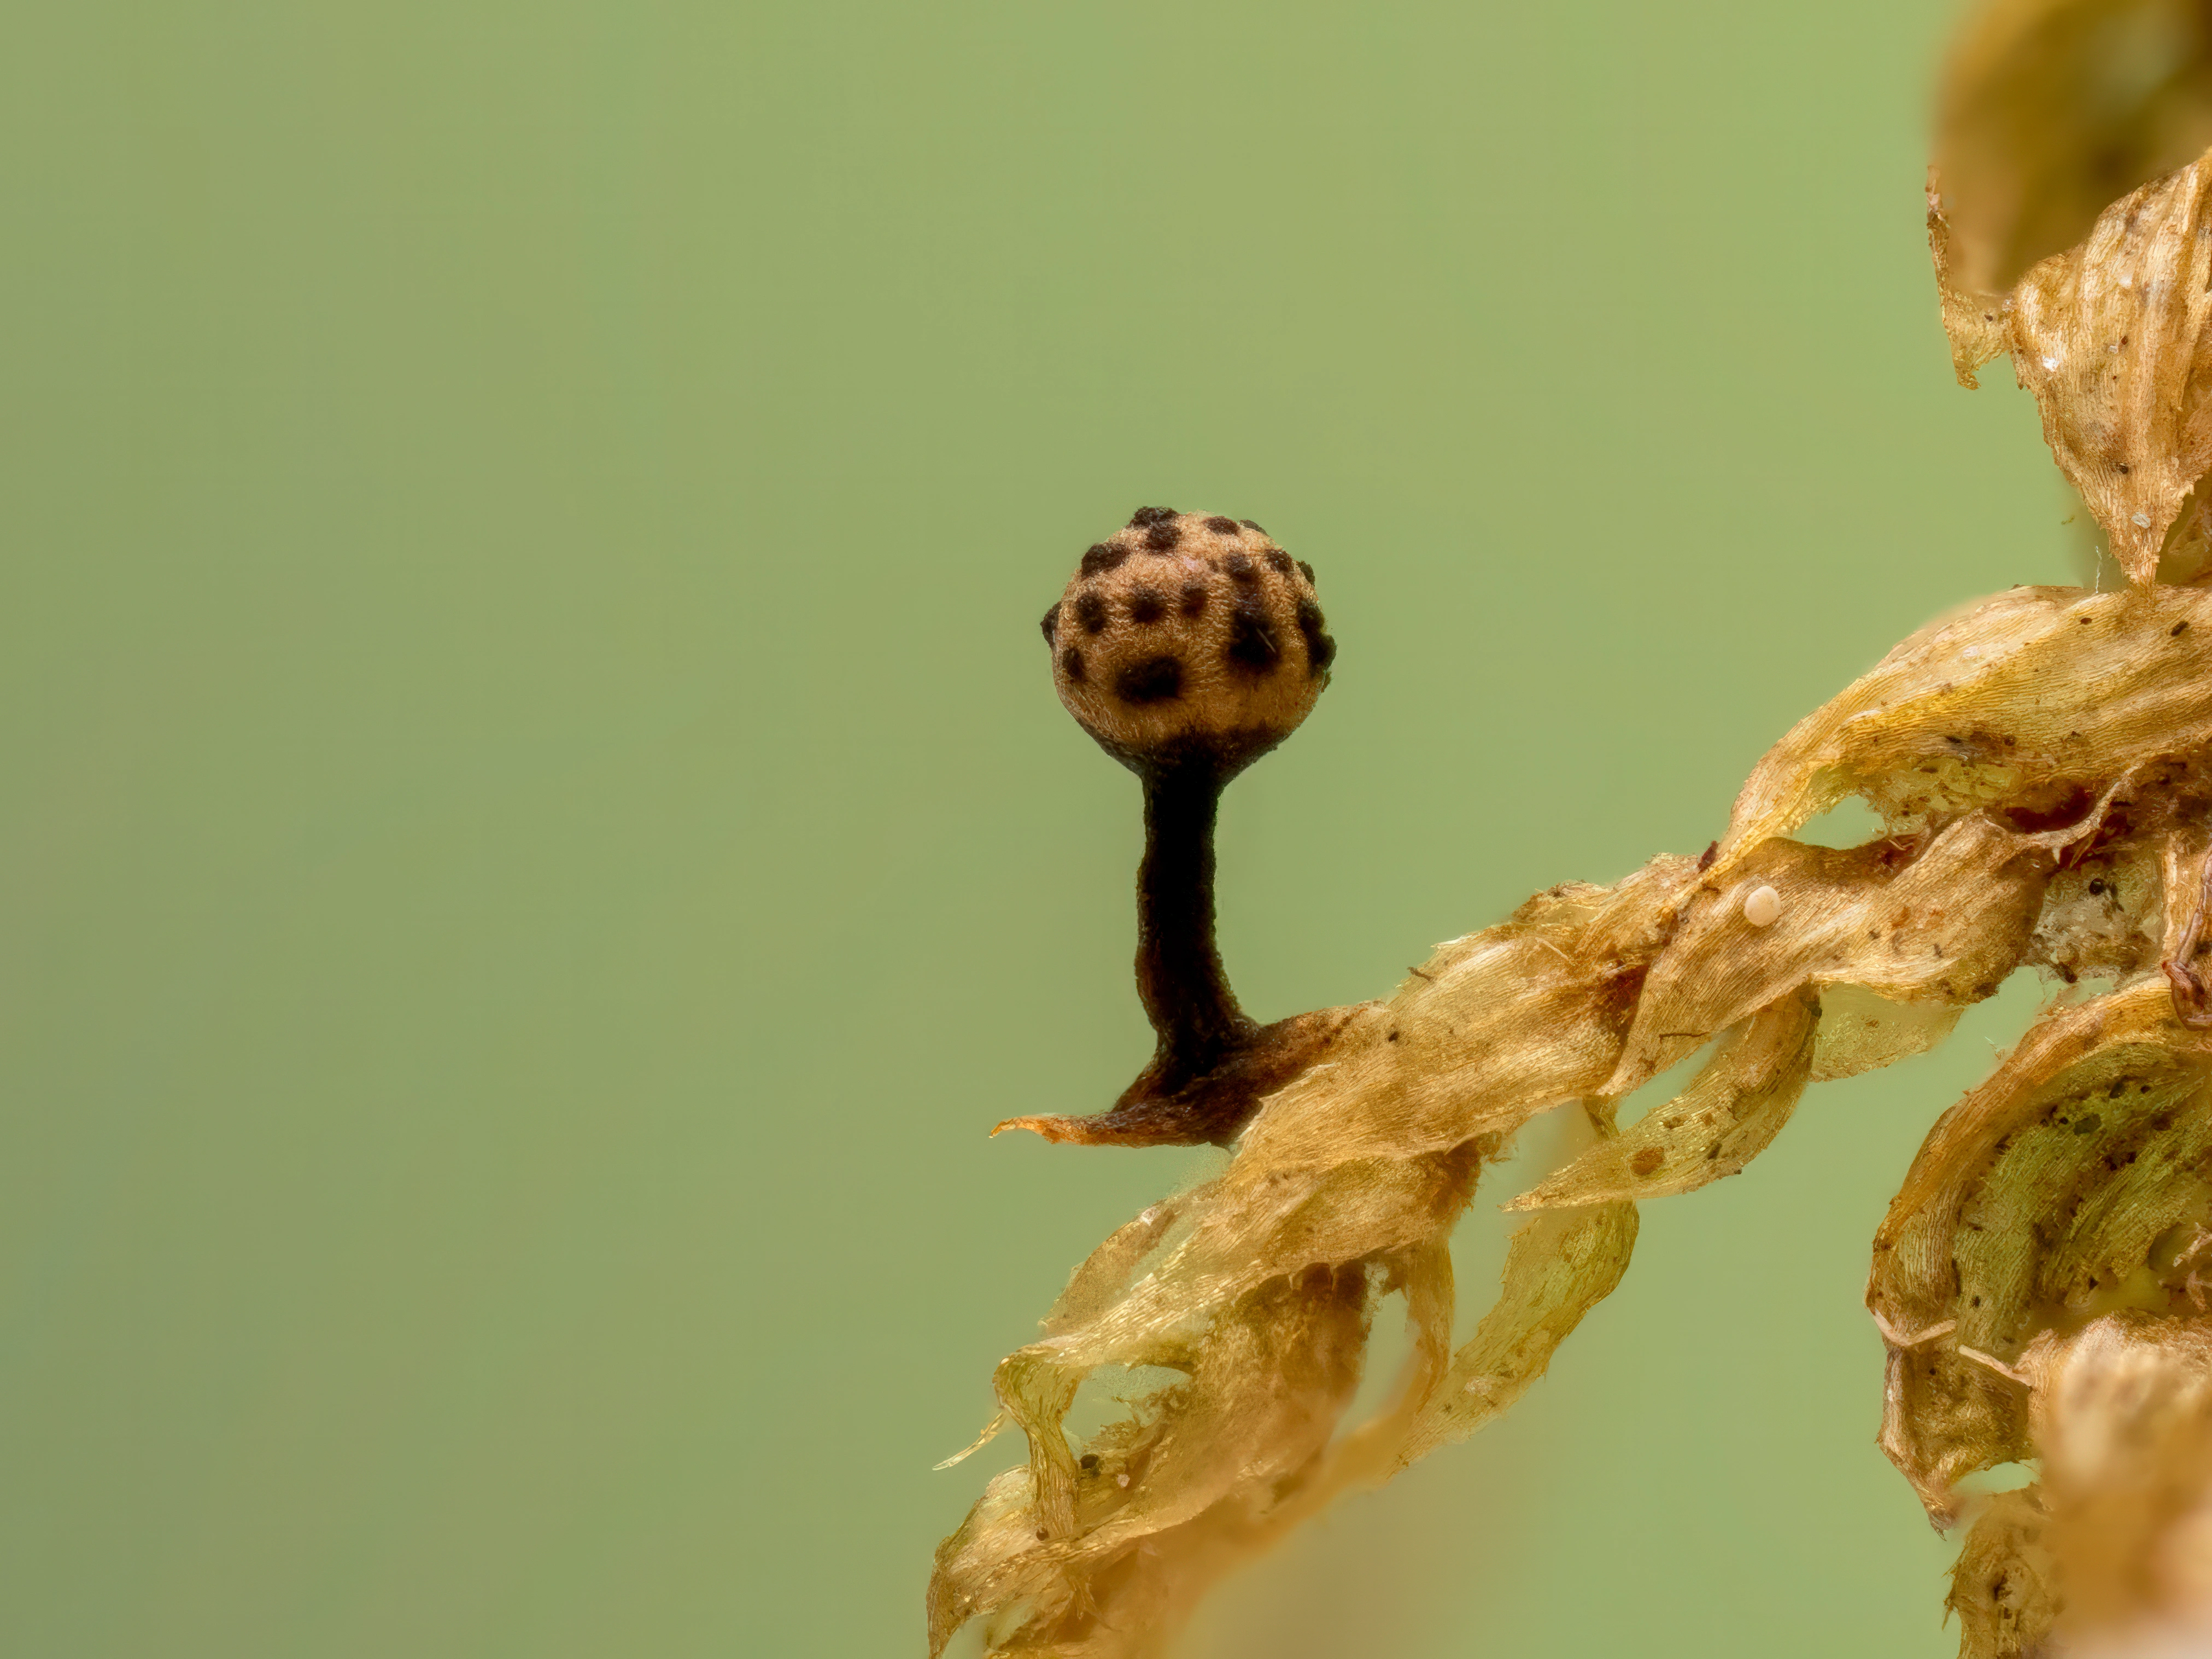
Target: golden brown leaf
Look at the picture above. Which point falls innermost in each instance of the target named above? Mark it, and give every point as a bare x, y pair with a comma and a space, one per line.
1977, 322
2111, 337
2122, 1420
1943, 918
1862, 1030
2066, 221
2049, 111
1736, 1106
2038, 702
2048, 1195
1558, 1268
2109, 1554
2003, 1585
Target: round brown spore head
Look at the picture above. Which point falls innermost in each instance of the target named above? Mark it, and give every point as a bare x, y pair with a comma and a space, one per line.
1188, 636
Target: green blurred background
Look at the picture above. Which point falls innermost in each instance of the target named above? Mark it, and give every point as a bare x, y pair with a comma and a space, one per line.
538, 837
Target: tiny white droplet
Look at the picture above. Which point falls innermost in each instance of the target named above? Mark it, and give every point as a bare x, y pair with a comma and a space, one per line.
2051, 362
2140, 520
1761, 905
1120, 1480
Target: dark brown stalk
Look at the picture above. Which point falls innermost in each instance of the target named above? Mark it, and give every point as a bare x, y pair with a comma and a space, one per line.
1179, 974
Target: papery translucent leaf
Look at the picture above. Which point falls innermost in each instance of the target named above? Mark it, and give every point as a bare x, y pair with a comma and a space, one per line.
2041, 1198
1160, 1503
1862, 1030
2049, 111
1976, 321
2003, 1585
1276, 1369
2034, 702
2111, 337
1494, 1028
1558, 1268
1737, 1104
1945, 920
2101, 916
983, 1558
1104, 1275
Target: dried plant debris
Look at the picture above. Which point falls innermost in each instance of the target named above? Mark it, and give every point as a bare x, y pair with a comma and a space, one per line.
2122, 1422
2109, 1553
2049, 111
2003, 1585
2039, 761
2067, 222
2062, 1188
2043, 704
1737, 1105
2111, 337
